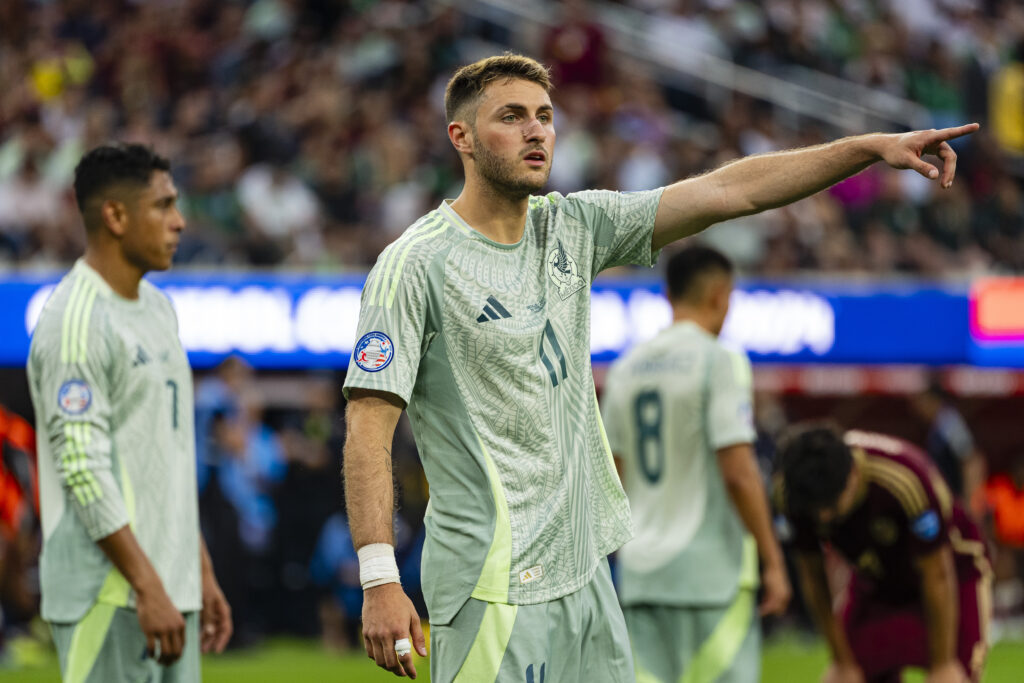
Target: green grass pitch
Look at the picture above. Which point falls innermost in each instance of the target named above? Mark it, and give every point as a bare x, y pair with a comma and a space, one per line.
293, 661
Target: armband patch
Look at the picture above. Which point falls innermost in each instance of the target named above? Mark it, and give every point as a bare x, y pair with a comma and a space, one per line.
373, 351
926, 526
74, 397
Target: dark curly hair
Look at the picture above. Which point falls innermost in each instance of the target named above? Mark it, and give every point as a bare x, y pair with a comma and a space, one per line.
814, 463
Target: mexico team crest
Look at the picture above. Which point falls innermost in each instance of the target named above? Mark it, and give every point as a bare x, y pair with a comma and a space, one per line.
74, 397
373, 351
564, 272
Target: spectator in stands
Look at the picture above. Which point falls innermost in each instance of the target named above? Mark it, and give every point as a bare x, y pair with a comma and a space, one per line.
950, 444
325, 85
576, 48
281, 213
221, 446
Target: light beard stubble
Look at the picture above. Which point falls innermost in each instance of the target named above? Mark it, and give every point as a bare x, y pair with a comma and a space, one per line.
501, 175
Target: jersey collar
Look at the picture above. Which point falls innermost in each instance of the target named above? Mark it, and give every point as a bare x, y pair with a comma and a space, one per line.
456, 221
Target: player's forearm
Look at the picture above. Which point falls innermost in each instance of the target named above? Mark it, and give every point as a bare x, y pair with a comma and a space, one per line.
205, 563
819, 602
125, 553
768, 181
938, 594
757, 183
369, 493
369, 485
746, 490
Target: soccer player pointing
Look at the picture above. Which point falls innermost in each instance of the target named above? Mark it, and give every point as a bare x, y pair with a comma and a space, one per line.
126, 579
477, 320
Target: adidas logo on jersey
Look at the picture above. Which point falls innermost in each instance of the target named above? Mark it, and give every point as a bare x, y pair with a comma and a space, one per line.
493, 311
141, 357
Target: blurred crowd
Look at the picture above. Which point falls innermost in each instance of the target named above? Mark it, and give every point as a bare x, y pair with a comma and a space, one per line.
310, 133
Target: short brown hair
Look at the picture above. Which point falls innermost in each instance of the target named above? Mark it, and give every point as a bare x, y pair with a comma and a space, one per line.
469, 82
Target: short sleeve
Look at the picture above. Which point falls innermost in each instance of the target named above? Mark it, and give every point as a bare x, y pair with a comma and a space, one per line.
72, 380
730, 400
621, 224
389, 336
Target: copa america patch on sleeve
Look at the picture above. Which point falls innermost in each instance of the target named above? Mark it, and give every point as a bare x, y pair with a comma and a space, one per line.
373, 351
926, 526
74, 397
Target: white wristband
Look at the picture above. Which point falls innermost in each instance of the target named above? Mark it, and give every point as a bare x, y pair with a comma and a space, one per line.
377, 565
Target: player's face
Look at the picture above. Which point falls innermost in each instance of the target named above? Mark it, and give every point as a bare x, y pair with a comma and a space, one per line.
514, 137
154, 224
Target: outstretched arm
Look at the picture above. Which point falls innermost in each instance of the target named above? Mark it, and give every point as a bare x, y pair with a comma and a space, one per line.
388, 614
767, 181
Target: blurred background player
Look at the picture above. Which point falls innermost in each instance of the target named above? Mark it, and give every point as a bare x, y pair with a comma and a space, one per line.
950, 444
920, 591
126, 579
678, 411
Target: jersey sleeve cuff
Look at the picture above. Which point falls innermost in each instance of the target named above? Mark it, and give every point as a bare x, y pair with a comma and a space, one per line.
102, 516
371, 386
733, 439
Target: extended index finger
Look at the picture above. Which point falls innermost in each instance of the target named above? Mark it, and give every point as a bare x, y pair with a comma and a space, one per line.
944, 134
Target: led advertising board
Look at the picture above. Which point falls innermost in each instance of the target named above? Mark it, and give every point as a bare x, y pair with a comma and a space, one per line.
295, 321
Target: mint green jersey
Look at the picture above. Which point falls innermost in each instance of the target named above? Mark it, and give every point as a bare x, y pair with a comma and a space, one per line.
669, 404
489, 346
112, 392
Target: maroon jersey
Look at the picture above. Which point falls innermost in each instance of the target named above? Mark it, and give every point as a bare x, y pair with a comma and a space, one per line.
904, 511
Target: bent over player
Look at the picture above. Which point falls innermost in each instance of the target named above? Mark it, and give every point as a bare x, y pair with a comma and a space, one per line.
920, 590
126, 579
477, 319
678, 410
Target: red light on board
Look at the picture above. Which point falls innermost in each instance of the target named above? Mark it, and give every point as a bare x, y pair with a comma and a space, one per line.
997, 309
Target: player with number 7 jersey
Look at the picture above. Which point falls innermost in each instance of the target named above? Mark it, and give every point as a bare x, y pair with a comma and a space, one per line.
107, 374
127, 582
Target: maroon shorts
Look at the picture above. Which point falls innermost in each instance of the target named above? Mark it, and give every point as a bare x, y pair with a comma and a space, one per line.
887, 638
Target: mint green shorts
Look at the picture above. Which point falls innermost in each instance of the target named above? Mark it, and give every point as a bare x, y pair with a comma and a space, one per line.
108, 645
578, 638
697, 644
